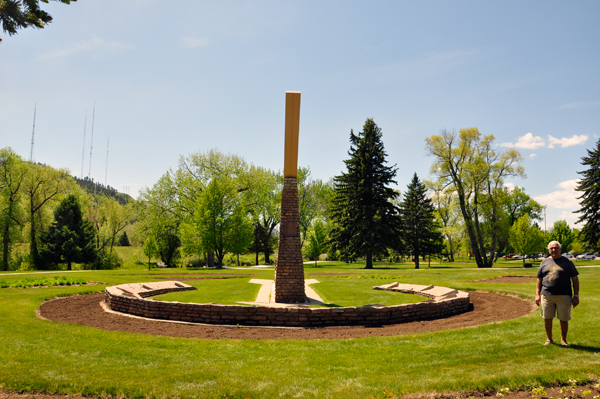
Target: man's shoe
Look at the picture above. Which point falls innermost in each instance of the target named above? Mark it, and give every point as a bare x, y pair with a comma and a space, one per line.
548, 342
564, 343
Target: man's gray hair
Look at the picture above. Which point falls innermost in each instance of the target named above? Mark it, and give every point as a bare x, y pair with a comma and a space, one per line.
554, 242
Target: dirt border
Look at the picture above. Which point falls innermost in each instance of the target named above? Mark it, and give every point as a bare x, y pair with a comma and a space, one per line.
86, 310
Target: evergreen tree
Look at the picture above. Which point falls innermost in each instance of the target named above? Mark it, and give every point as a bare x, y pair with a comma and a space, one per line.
420, 232
124, 240
365, 221
590, 199
70, 238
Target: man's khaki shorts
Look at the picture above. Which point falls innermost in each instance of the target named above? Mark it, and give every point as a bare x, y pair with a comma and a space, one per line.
556, 304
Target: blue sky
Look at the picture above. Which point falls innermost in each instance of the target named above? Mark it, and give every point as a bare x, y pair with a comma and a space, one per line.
171, 78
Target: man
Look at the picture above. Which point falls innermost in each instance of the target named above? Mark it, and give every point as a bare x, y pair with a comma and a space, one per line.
553, 290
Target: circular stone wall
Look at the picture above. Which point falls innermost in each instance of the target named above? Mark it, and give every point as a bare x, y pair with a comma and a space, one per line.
132, 299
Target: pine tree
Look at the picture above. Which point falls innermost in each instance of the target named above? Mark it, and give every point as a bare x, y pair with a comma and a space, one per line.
124, 240
589, 185
365, 222
420, 232
70, 238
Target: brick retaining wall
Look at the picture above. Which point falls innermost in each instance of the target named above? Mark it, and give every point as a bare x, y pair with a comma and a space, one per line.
209, 313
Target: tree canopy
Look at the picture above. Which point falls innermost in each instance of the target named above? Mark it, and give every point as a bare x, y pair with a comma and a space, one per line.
469, 165
17, 14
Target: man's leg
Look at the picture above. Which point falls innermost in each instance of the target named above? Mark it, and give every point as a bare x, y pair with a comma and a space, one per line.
564, 329
548, 326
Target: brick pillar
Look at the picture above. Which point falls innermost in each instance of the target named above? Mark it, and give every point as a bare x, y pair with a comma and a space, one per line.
289, 269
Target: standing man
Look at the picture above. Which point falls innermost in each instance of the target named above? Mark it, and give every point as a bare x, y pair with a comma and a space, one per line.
553, 290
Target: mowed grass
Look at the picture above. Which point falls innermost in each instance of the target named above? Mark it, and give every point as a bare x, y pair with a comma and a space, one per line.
39, 355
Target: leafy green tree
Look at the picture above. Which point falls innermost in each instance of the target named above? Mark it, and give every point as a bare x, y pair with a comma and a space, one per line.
12, 174
222, 220
313, 196
562, 232
150, 249
517, 203
469, 165
160, 215
365, 222
70, 237
590, 199
109, 218
316, 241
526, 237
42, 186
448, 213
420, 232
17, 14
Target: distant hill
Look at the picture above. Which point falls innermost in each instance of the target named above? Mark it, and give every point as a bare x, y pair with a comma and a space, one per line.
96, 188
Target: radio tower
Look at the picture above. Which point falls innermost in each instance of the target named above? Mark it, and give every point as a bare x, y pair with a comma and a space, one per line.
106, 172
92, 140
83, 151
32, 133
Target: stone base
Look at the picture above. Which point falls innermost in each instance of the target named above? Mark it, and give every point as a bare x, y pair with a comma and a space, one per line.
289, 268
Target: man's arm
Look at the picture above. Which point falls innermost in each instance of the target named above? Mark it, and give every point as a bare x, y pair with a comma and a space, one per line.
538, 289
575, 300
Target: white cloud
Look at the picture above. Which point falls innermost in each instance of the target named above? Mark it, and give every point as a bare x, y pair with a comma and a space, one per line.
193, 42
566, 142
510, 186
579, 104
528, 141
562, 199
532, 156
95, 43
568, 184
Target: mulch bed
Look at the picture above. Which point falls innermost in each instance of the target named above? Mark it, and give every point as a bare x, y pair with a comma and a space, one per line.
86, 310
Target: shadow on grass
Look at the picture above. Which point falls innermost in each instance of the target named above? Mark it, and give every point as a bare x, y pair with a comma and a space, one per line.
585, 348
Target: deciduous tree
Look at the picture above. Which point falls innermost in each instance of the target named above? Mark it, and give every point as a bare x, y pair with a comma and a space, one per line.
222, 221
469, 164
526, 237
316, 241
42, 185
562, 232
12, 174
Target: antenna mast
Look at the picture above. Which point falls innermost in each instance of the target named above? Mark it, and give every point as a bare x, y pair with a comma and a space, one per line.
106, 172
33, 133
83, 151
92, 140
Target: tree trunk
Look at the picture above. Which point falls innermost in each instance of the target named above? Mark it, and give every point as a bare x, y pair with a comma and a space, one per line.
211, 259
68, 265
5, 246
33, 250
369, 261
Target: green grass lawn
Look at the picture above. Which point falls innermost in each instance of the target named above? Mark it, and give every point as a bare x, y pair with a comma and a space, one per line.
39, 355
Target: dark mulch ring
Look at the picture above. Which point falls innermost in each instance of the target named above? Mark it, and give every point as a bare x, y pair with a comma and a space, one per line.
508, 279
86, 310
